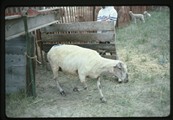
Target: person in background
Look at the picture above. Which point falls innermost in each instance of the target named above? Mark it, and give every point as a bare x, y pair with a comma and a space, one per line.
107, 13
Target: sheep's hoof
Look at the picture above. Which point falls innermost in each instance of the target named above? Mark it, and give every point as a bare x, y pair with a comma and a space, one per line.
62, 93
119, 81
85, 88
75, 89
103, 100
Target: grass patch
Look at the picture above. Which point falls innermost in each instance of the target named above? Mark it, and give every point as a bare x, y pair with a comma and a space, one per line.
146, 50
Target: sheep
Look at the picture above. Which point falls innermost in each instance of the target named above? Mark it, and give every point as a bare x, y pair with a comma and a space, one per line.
84, 62
146, 14
137, 16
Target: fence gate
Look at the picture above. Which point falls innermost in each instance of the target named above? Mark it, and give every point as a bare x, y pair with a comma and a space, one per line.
84, 34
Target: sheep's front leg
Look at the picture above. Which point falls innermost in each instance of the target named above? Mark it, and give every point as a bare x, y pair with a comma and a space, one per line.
103, 99
135, 20
143, 19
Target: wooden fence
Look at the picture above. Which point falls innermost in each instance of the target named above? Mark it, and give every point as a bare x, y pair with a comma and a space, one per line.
77, 14
82, 34
87, 13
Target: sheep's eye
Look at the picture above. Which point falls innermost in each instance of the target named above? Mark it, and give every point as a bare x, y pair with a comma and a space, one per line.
119, 68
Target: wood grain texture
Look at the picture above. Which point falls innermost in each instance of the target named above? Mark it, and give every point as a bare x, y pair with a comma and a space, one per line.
79, 37
80, 26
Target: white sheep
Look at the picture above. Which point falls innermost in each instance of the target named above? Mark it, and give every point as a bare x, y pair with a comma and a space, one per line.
137, 16
84, 62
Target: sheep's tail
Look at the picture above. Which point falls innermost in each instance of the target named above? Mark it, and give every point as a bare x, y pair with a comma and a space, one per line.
48, 57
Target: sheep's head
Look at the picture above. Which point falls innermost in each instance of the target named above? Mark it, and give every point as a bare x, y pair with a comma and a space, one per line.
120, 70
145, 12
130, 12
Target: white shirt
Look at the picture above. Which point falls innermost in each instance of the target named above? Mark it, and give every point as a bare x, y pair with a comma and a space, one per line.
107, 14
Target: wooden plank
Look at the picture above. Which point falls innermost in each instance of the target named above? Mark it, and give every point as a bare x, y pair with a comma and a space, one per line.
107, 47
80, 26
15, 27
30, 69
77, 37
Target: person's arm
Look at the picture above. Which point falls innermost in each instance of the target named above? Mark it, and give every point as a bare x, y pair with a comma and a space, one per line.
113, 16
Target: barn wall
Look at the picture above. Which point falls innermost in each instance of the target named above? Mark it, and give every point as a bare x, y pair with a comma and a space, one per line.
15, 65
123, 16
77, 14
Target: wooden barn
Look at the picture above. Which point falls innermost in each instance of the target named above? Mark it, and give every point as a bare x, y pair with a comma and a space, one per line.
32, 31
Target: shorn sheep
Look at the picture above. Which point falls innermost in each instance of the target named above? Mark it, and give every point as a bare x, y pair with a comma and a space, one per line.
84, 62
137, 16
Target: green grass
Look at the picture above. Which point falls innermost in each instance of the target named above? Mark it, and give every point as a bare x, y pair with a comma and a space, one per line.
153, 37
145, 48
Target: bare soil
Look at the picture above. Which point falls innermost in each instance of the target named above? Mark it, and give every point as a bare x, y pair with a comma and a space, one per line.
134, 98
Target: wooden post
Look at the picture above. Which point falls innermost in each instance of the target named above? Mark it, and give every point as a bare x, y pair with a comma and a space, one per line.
30, 58
116, 57
40, 44
37, 44
94, 8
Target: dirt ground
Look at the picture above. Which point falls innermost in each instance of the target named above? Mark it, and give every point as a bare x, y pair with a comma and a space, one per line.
123, 99
85, 103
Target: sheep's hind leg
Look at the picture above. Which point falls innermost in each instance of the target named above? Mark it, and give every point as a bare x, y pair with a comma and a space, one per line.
76, 89
55, 73
59, 87
103, 99
82, 79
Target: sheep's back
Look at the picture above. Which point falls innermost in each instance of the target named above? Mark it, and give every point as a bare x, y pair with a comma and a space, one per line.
72, 58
